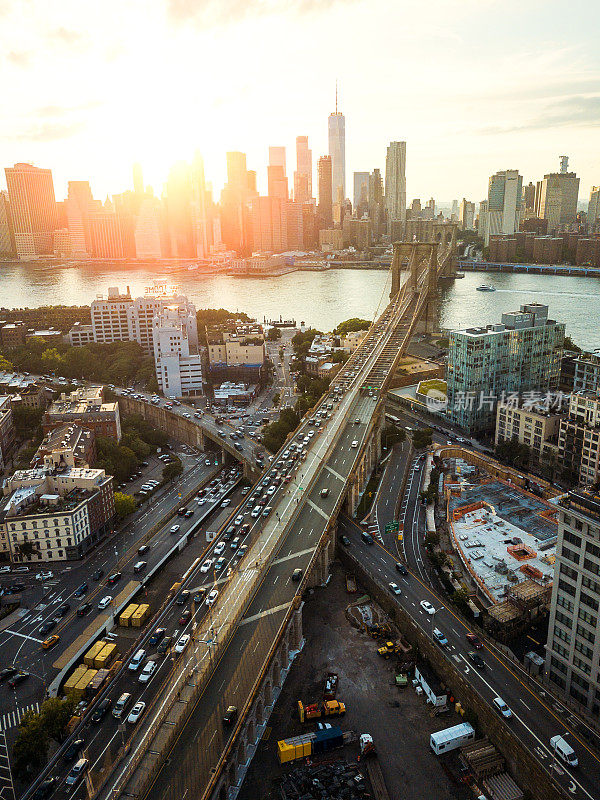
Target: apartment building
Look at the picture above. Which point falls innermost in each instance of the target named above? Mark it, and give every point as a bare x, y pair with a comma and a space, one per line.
236, 353
536, 427
573, 647
50, 514
66, 446
520, 354
579, 437
179, 369
80, 335
587, 372
7, 430
84, 407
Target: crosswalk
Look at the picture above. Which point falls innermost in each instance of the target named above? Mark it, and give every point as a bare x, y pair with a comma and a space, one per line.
12, 718
7, 791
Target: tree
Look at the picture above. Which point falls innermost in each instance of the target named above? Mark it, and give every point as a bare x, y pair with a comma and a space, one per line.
172, 470
55, 715
276, 399
31, 747
570, 345
432, 540
5, 365
351, 325
125, 504
461, 598
27, 421
391, 435
422, 438
27, 549
514, 452
274, 334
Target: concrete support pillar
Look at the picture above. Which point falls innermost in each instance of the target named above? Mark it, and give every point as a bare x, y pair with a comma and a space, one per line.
413, 268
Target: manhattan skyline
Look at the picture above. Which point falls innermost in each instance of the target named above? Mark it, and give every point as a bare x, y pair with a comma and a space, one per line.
86, 98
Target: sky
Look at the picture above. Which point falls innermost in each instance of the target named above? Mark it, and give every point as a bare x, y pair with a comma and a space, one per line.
472, 86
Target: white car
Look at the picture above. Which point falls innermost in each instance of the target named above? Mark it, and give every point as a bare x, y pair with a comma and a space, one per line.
502, 708
239, 519
354, 444
311, 434
201, 501
395, 588
219, 548
226, 502
136, 712
41, 576
211, 598
106, 601
173, 528
207, 565
182, 643
147, 672
426, 606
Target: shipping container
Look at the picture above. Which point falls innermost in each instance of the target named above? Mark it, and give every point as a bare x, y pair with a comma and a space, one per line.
328, 739
140, 615
91, 654
451, 738
74, 678
125, 617
78, 691
106, 656
297, 747
98, 681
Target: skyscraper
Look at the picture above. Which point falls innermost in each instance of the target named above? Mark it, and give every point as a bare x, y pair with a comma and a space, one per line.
138, 179
80, 204
361, 192
303, 174
7, 242
395, 182
324, 175
466, 215
337, 151
503, 212
235, 218
277, 182
594, 205
33, 209
556, 197
277, 157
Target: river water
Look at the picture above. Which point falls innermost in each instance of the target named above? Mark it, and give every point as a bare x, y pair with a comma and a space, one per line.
321, 299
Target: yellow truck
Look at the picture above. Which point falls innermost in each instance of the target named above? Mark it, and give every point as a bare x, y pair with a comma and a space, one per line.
80, 689
106, 656
74, 679
140, 615
125, 617
326, 708
389, 649
91, 654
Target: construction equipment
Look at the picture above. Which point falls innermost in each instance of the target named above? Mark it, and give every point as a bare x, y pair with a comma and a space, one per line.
401, 680
310, 744
331, 685
389, 649
328, 708
369, 753
379, 630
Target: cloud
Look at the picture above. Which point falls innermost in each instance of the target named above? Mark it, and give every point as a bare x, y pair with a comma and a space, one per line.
216, 12
19, 59
577, 111
51, 131
66, 36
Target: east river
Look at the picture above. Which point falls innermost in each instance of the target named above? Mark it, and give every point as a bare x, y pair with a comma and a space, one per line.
321, 299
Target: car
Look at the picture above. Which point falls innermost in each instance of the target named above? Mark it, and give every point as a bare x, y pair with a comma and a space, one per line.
354, 444
189, 513
112, 579
45, 789
440, 638
105, 602
267, 510
185, 617
297, 575
156, 636
73, 749
101, 710
226, 502
174, 528
324, 492
143, 549
80, 590
147, 672
199, 596
345, 541
401, 568
7, 673
136, 661
271, 490
47, 627
220, 563
474, 641
502, 708
18, 678
239, 519
476, 659
84, 609
207, 565
394, 588
219, 548
183, 597
164, 645
182, 643
427, 607
211, 598
121, 705
139, 566
230, 716
62, 610
44, 576
47, 644
99, 573
357, 421
136, 712
201, 501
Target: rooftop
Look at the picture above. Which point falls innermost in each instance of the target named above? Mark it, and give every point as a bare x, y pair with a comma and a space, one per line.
504, 534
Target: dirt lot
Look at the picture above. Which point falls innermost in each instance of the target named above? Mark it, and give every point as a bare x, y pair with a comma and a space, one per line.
398, 720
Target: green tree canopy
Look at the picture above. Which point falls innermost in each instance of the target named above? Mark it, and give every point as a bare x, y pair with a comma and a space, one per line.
274, 334
172, 470
31, 747
422, 438
351, 325
125, 504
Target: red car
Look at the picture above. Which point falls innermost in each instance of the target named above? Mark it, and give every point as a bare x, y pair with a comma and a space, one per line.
185, 616
474, 641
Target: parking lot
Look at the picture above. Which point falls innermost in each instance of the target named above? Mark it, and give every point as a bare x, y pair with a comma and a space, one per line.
398, 720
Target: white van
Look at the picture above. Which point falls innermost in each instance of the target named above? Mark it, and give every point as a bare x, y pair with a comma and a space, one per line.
135, 662
256, 511
564, 750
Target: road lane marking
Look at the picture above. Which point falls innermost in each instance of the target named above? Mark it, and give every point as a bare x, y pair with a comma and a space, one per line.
266, 613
